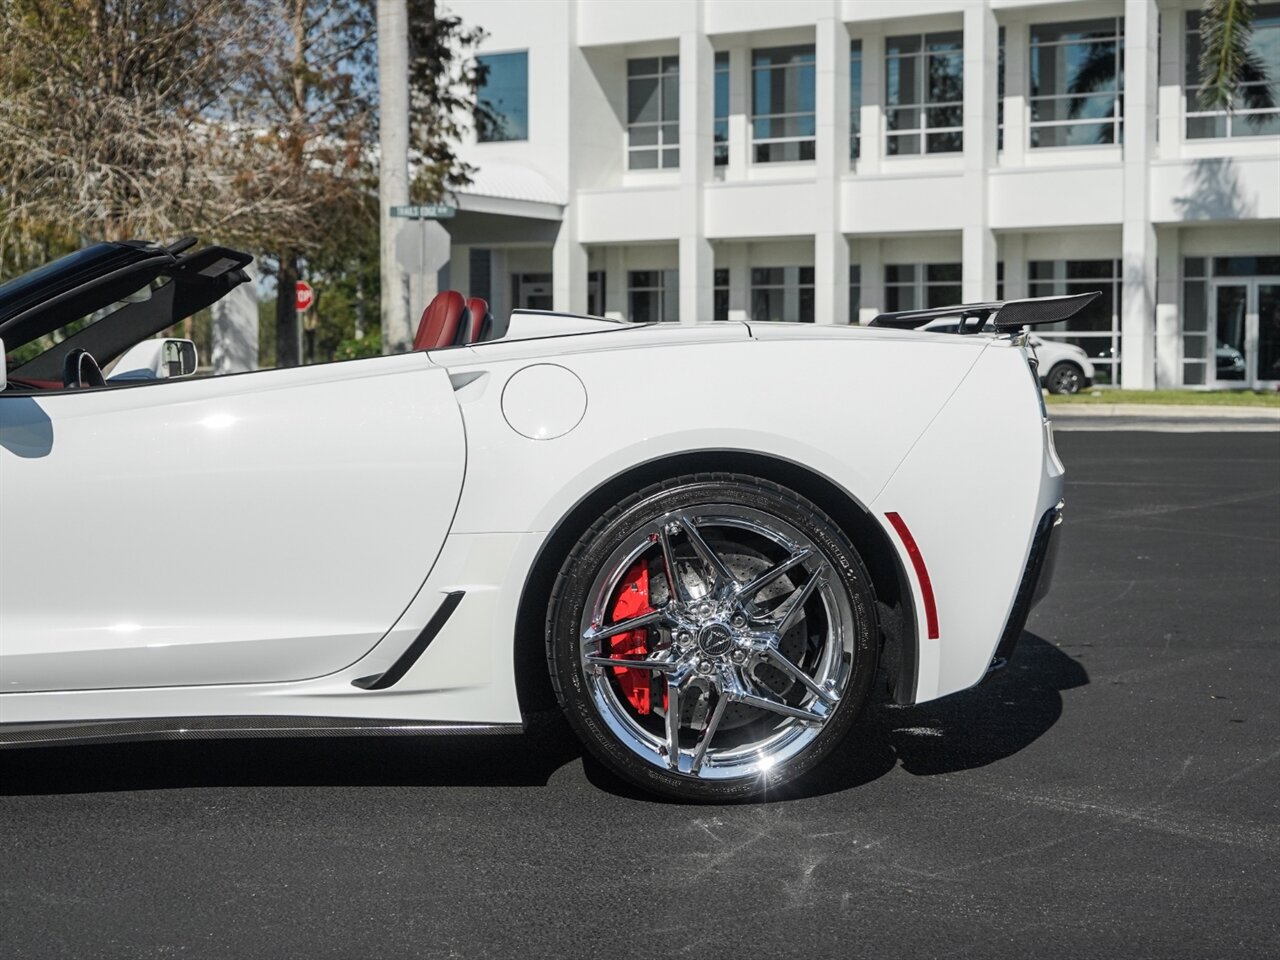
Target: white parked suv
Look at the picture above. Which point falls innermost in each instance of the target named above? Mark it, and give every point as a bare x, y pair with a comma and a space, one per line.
1063, 367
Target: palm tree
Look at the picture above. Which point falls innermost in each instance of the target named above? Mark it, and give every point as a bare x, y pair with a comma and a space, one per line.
1231, 73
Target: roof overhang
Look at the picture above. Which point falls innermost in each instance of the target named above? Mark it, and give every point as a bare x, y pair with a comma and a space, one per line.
512, 190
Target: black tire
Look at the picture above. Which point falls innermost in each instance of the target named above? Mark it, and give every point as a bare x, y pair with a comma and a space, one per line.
1064, 377
841, 574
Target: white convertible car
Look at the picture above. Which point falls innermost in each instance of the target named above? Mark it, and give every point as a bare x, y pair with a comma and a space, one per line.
703, 540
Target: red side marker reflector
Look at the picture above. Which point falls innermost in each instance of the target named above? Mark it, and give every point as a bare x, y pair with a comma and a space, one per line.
922, 574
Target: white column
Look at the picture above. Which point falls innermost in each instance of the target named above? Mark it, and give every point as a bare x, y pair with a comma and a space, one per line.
235, 328
739, 110
568, 255
615, 282
1017, 73
736, 258
872, 262
393, 169
830, 247
568, 268
871, 116
1137, 319
1015, 265
1168, 374
697, 104
1173, 49
979, 244
460, 270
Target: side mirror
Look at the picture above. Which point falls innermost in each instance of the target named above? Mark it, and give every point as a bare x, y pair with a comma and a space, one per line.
156, 360
4, 367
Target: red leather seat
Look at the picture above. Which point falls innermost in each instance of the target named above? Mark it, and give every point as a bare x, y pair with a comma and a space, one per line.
481, 320
444, 322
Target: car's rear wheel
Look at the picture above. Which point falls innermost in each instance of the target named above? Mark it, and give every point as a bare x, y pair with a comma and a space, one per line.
1064, 377
712, 637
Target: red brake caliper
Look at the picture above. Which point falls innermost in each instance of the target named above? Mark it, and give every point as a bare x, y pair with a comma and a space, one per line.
633, 601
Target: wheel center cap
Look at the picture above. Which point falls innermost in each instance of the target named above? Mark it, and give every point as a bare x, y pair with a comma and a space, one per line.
715, 640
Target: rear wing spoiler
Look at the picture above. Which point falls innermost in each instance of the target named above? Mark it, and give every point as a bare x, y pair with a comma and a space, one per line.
1009, 315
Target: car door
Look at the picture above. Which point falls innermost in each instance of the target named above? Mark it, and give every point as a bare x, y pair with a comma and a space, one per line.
266, 526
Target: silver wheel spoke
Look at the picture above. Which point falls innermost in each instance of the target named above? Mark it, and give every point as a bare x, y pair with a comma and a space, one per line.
776, 658
674, 682
708, 556
665, 666
784, 709
793, 606
700, 753
749, 590
678, 590
604, 631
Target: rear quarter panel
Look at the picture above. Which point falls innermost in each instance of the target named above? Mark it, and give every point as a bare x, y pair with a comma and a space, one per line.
849, 408
971, 491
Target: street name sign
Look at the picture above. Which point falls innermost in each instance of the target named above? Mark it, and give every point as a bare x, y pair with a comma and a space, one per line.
425, 211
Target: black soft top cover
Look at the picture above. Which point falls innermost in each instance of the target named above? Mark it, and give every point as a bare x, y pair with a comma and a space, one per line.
97, 276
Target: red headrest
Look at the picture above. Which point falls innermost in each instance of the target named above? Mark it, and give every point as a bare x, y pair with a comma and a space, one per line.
480, 320
439, 324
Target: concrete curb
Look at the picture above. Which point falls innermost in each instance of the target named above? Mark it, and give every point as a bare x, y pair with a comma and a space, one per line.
1161, 411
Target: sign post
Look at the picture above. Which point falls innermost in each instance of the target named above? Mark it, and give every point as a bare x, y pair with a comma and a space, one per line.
424, 213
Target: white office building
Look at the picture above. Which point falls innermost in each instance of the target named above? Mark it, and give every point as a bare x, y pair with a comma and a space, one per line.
825, 160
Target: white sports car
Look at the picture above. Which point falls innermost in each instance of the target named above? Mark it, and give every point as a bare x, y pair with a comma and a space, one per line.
703, 540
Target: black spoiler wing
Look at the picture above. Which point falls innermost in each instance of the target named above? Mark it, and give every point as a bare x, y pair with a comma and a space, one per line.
1005, 315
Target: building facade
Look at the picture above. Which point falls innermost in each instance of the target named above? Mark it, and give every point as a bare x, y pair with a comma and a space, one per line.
825, 160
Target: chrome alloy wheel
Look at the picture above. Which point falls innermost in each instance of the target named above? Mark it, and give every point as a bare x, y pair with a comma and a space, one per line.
749, 643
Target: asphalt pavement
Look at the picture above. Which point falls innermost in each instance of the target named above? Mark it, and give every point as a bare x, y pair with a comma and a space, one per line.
1112, 794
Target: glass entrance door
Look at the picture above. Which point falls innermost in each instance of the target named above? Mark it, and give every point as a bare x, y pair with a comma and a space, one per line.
532, 291
1231, 319
1268, 296
1246, 327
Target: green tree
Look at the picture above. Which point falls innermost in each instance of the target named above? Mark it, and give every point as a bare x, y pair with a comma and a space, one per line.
1231, 72
106, 123
444, 82
308, 88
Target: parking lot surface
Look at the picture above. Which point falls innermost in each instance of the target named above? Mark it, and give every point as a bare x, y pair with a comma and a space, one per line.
1113, 793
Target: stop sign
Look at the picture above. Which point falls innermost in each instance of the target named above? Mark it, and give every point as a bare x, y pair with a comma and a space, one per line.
305, 295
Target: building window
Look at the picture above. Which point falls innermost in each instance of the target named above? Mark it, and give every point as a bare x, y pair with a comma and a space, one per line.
783, 121
1096, 329
919, 286
1000, 90
924, 93
1195, 322
595, 293
782, 293
653, 113
855, 293
503, 97
481, 264
1255, 114
720, 294
653, 296
1077, 79
721, 127
855, 99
